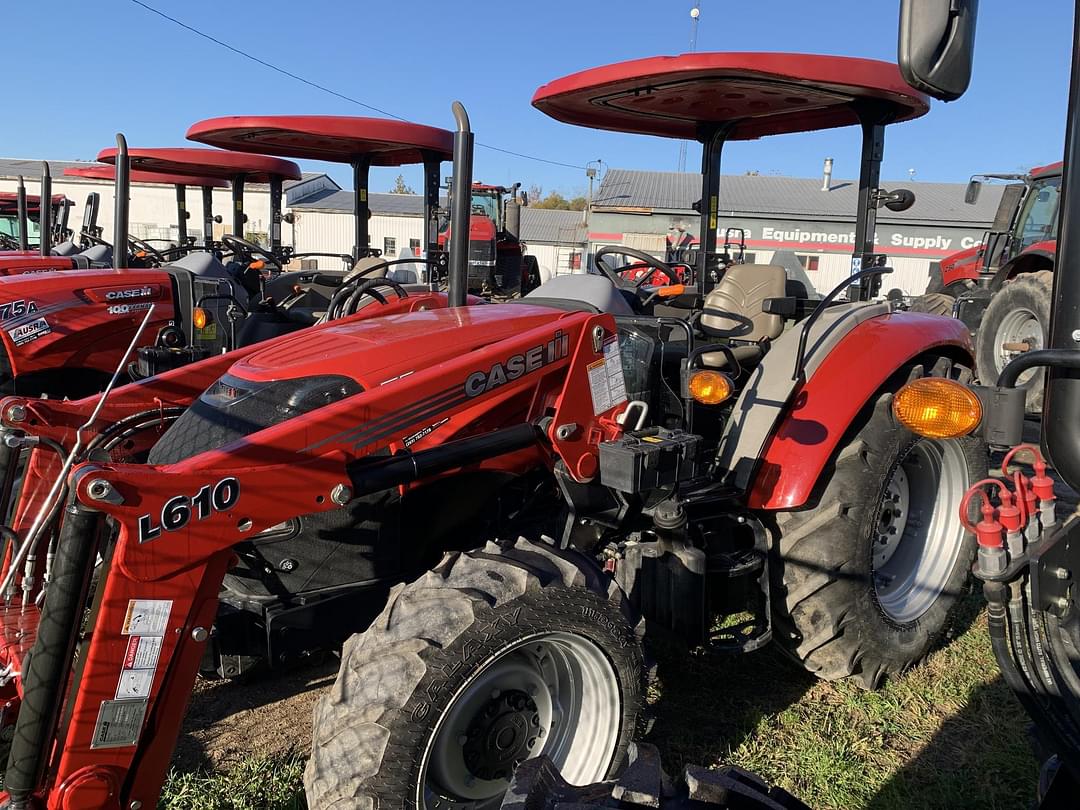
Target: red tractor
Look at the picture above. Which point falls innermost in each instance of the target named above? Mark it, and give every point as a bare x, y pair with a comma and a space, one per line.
1001, 288
490, 502
498, 264
20, 220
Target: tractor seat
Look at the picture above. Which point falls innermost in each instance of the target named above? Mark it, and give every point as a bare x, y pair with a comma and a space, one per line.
587, 292
733, 311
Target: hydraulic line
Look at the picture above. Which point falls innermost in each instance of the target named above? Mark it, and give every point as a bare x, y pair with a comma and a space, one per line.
55, 497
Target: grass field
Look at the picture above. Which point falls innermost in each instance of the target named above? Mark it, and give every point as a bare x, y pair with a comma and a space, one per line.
947, 734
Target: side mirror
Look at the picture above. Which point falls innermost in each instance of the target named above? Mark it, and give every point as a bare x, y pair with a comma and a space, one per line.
900, 200
289, 218
524, 198
937, 45
971, 195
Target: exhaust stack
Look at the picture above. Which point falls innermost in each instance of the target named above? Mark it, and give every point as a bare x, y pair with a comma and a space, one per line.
826, 175
460, 208
45, 211
120, 203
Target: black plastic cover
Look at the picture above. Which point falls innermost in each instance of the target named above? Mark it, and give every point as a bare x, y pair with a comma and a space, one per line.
649, 459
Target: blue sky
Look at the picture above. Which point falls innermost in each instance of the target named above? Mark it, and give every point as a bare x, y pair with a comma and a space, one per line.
107, 65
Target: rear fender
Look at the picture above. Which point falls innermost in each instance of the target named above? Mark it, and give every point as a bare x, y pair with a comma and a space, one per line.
822, 410
1040, 256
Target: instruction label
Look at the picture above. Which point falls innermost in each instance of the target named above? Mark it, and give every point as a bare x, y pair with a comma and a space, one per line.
119, 723
147, 617
606, 383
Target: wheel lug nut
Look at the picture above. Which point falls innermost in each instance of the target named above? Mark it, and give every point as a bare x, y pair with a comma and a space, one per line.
541, 733
532, 742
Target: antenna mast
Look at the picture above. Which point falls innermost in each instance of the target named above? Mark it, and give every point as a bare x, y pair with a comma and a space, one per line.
695, 14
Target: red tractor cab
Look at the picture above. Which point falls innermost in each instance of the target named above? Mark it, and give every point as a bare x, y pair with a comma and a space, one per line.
17, 236
1001, 289
721, 451
498, 264
65, 334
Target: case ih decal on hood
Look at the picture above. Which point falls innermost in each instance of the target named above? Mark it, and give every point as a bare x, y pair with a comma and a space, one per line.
518, 365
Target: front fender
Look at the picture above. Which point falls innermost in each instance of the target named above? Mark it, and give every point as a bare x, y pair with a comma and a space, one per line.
826, 405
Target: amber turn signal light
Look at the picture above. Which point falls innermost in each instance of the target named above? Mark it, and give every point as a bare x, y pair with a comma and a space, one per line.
200, 318
937, 408
671, 290
710, 387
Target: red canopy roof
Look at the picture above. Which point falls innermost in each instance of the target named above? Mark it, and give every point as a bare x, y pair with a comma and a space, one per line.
1043, 171
763, 93
334, 138
9, 201
207, 162
109, 173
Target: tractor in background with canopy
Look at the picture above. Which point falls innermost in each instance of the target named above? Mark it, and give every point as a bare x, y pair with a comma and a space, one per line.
718, 460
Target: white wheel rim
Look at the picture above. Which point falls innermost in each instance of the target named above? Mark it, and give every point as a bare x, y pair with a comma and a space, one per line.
553, 693
1020, 326
918, 537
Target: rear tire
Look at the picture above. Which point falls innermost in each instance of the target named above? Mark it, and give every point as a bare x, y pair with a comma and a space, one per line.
438, 700
1018, 313
855, 601
933, 304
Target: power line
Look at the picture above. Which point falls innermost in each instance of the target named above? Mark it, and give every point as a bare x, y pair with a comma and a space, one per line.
323, 88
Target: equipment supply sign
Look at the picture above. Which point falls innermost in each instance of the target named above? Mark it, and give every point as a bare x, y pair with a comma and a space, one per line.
606, 383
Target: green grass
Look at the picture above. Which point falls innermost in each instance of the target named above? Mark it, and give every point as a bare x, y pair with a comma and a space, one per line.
947, 734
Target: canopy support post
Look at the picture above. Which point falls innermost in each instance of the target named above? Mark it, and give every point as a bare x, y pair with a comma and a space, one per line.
238, 218
181, 214
864, 254
24, 220
45, 211
275, 213
712, 146
121, 199
208, 217
432, 164
361, 211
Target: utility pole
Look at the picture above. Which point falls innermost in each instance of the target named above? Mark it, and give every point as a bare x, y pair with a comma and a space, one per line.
695, 14
590, 172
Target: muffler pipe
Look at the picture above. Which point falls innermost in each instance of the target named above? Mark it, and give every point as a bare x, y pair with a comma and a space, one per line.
45, 211
120, 204
460, 208
24, 220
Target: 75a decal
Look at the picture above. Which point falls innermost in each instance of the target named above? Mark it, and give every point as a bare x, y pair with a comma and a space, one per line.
180, 510
13, 309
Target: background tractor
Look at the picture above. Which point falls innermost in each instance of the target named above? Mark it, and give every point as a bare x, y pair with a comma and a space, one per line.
498, 264
491, 502
1002, 288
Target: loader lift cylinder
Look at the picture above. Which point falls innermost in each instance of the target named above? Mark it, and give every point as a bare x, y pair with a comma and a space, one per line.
361, 211
45, 212
460, 208
275, 214
181, 214
1061, 439
49, 662
24, 220
208, 217
238, 217
120, 204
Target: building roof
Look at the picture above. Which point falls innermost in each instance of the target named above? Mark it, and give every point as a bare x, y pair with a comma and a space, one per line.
30, 169
537, 224
750, 195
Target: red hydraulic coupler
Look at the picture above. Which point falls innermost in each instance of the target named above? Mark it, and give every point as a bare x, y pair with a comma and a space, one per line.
989, 532
1041, 485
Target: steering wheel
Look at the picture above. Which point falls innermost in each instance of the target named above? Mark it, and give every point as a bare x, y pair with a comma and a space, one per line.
648, 260
8, 242
96, 240
148, 249
241, 248
346, 297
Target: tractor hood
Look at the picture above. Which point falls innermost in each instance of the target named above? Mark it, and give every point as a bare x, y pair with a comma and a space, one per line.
380, 350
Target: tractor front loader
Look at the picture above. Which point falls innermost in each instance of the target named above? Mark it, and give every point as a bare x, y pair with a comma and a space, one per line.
490, 503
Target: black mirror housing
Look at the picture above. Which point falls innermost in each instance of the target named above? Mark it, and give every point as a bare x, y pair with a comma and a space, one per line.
971, 193
937, 45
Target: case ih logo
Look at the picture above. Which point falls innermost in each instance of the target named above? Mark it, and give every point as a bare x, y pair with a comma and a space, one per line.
120, 295
518, 365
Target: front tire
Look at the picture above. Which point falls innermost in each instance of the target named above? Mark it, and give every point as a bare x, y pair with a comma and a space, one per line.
870, 573
1018, 315
493, 657
934, 304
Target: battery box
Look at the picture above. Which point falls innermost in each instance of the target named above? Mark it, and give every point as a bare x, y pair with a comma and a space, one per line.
649, 459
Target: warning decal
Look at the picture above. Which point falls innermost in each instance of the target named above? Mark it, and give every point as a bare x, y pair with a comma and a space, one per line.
606, 383
148, 617
142, 652
119, 723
